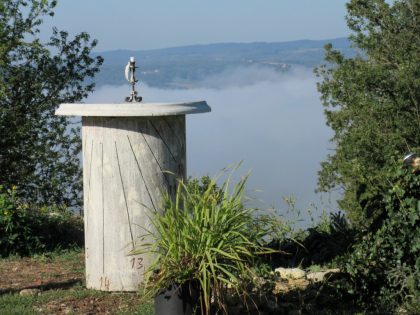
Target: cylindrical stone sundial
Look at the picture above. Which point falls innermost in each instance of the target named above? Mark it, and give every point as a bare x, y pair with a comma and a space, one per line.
132, 154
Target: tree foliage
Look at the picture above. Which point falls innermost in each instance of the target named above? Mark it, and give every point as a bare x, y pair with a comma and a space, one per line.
371, 101
384, 264
39, 151
28, 229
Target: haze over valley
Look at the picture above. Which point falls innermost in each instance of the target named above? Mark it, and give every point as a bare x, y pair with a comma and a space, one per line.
190, 66
266, 113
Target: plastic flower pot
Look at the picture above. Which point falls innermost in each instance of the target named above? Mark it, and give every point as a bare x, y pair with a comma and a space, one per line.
178, 300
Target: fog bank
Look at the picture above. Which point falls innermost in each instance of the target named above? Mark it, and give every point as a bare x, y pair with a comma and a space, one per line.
271, 121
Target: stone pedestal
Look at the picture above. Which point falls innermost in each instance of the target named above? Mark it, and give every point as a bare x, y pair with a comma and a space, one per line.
132, 154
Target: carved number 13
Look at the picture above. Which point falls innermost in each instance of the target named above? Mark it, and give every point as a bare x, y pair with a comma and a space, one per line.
137, 263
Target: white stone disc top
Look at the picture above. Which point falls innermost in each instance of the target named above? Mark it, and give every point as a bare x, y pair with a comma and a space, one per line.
132, 109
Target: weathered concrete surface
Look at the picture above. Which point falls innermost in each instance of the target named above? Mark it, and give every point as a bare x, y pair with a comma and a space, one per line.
132, 109
124, 164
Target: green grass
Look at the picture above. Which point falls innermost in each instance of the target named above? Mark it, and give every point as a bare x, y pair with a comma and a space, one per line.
15, 304
61, 255
140, 309
315, 268
66, 257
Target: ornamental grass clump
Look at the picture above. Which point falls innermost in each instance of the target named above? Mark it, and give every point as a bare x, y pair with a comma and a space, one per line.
205, 237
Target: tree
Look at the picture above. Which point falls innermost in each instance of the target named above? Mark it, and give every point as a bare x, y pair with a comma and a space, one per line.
383, 265
371, 101
39, 151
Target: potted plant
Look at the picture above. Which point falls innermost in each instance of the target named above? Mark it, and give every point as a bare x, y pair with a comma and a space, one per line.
204, 240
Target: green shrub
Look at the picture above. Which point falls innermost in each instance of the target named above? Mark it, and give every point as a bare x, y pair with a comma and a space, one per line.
329, 236
27, 229
385, 262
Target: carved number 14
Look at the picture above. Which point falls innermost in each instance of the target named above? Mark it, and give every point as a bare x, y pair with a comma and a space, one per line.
105, 283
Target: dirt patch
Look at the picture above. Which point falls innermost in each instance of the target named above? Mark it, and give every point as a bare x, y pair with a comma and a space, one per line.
106, 304
41, 272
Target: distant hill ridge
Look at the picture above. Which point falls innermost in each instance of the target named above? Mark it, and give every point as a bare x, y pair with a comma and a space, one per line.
184, 66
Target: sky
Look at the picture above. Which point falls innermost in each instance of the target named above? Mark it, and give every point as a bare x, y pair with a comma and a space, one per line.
147, 24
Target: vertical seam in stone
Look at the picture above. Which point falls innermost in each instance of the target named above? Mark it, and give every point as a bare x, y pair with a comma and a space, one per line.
84, 144
103, 209
173, 131
157, 162
164, 142
141, 173
125, 197
183, 123
90, 175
